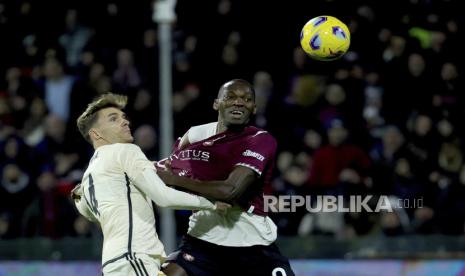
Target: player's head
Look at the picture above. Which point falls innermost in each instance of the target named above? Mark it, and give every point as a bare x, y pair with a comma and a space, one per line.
235, 103
104, 122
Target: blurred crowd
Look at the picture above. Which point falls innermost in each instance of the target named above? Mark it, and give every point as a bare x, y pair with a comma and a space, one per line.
383, 120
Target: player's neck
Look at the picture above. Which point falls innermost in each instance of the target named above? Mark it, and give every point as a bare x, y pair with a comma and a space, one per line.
98, 145
221, 127
101, 142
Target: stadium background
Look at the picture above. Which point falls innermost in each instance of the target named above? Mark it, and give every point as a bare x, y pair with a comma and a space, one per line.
396, 93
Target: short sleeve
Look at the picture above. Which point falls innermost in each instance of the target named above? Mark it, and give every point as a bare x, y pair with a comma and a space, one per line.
260, 149
201, 132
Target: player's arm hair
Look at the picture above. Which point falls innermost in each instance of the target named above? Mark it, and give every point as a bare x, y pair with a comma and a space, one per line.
228, 190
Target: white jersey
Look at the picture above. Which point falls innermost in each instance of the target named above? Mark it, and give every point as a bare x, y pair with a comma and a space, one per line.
237, 228
117, 191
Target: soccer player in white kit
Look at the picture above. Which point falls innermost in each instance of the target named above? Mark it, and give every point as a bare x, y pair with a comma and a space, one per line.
118, 190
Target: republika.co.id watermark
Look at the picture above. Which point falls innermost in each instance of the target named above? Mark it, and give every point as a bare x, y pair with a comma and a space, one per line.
344, 204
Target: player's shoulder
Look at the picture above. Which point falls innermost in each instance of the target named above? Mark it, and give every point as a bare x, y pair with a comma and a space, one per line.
122, 148
260, 134
204, 127
201, 132
129, 146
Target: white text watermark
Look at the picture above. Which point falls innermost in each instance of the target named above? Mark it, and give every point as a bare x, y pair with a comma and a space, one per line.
344, 204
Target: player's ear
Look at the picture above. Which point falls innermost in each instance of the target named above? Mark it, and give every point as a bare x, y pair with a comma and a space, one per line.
216, 105
94, 135
254, 109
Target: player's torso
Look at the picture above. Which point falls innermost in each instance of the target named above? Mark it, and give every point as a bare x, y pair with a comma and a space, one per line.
210, 159
106, 188
125, 214
213, 159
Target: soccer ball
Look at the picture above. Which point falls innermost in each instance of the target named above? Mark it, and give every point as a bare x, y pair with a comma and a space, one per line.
325, 38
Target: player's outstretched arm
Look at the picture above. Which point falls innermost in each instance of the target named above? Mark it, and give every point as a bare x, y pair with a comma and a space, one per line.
227, 190
151, 184
140, 171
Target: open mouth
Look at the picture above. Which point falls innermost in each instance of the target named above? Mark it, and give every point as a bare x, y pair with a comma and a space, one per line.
237, 113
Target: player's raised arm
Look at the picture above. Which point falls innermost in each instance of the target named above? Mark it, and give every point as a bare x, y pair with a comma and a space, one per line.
142, 174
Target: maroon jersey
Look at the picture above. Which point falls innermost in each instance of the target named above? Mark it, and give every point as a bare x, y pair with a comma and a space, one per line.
216, 157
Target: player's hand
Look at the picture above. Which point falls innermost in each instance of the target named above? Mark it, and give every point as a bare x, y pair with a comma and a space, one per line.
168, 166
76, 193
222, 207
167, 174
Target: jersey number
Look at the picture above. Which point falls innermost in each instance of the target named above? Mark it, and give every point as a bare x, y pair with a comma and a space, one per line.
93, 201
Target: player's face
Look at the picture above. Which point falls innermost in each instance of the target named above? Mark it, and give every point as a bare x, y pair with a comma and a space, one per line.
235, 104
113, 126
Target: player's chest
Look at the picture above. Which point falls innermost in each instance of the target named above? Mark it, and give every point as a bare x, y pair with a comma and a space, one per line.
214, 160
213, 154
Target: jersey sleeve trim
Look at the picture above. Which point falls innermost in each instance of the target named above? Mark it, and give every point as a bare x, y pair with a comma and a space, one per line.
255, 169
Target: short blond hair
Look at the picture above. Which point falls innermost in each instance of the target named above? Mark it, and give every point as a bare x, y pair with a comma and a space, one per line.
88, 118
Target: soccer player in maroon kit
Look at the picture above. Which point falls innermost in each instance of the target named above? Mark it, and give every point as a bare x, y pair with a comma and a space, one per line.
228, 161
